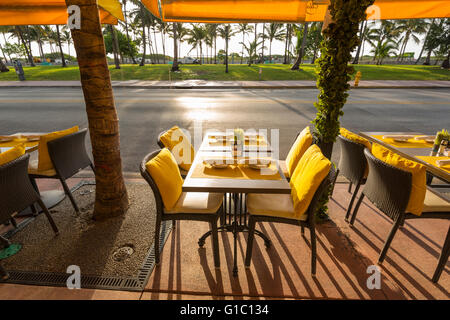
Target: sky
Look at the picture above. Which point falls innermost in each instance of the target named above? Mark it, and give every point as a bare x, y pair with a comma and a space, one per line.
234, 45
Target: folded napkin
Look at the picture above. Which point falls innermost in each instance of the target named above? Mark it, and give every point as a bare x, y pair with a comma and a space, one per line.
441, 163
398, 136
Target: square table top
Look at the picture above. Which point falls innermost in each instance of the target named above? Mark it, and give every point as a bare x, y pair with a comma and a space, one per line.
231, 185
409, 153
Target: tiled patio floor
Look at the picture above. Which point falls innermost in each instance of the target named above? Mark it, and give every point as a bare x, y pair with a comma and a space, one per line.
283, 271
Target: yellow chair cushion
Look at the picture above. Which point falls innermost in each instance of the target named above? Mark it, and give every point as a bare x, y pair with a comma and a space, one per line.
303, 142
312, 168
44, 161
418, 171
12, 154
164, 170
355, 138
177, 142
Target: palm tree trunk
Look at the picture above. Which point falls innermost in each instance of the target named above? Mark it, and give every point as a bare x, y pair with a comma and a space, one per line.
3, 53
262, 48
156, 45
144, 43
63, 59
111, 197
286, 44
163, 39
126, 31
298, 61
446, 62
215, 50
424, 42
243, 40
175, 48
270, 51
30, 58
3, 67
115, 46
361, 35
226, 55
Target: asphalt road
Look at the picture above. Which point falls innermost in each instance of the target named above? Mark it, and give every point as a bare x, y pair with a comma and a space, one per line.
144, 113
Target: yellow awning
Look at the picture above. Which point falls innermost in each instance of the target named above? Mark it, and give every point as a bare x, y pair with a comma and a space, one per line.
48, 12
286, 10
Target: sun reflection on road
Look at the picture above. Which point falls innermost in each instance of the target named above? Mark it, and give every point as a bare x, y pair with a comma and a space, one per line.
197, 108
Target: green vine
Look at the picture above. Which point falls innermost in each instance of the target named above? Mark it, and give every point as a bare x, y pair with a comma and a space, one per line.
340, 38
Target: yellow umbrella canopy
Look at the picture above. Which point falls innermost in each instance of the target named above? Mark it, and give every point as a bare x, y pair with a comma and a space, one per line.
286, 10
37, 12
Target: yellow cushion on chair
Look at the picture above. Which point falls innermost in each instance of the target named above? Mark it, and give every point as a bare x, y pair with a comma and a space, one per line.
301, 144
164, 170
45, 163
12, 154
306, 179
177, 142
355, 138
418, 171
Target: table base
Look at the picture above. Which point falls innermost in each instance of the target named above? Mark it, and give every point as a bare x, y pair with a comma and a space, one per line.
239, 224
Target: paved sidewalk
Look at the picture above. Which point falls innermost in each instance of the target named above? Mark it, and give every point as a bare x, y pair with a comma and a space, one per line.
202, 84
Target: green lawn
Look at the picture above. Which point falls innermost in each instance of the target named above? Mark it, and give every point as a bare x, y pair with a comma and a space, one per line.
236, 72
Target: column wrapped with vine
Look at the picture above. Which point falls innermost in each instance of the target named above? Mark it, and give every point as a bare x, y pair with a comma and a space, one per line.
340, 38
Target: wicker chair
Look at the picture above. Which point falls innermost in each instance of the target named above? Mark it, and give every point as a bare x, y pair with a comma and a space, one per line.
17, 192
186, 209
352, 165
389, 188
257, 202
68, 155
161, 145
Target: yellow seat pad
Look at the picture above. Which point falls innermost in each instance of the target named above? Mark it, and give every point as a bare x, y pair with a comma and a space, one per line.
434, 203
197, 202
45, 163
301, 144
164, 170
272, 205
307, 177
12, 154
418, 171
179, 144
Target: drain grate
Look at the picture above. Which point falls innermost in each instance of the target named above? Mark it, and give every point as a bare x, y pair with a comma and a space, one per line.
136, 283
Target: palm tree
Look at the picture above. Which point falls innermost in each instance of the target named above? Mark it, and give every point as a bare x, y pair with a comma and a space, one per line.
175, 47
196, 37
244, 28
226, 32
142, 18
125, 15
274, 31
430, 24
21, 36
65, 37
411, 28
388, 31
211, 31
301, 52
63, 59
251, 49
287, 42
361, 41
384, 50
115, 46
162, 28
111, 197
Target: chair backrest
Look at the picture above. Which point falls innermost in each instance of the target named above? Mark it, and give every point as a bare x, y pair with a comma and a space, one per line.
388, 187
160, 144
352, 163
146, 175
321, 190
68, 154
16, 190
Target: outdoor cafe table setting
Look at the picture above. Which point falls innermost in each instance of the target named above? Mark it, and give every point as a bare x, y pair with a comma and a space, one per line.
219, 167
31, 143
417, 147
